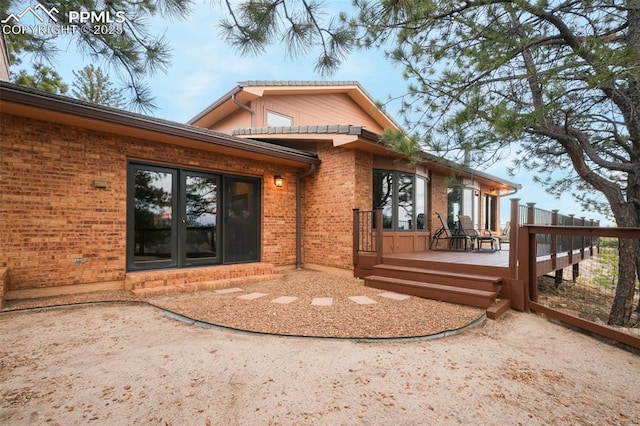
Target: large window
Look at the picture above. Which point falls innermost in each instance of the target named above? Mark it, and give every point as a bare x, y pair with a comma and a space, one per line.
179, 217
402, 198
463, 201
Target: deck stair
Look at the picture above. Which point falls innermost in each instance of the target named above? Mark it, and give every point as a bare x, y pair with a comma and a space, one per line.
455, 287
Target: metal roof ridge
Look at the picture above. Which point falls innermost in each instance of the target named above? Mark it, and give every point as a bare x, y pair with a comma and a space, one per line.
307, 128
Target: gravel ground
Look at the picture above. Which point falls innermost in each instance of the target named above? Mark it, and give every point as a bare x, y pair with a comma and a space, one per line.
386, 318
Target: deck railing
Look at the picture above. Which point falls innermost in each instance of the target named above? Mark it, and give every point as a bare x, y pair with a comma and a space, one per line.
367, 232
585, 299
547, 244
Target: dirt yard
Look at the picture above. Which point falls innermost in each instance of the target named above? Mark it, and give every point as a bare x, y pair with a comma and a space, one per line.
120, 364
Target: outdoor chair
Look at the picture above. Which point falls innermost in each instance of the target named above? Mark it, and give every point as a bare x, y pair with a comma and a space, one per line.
479, 238
453, 238
505, 232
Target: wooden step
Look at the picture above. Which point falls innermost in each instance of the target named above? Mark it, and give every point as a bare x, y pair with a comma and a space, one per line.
472, 281
446, 293
496, 310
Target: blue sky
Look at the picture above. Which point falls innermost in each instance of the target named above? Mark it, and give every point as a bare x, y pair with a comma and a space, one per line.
203, 68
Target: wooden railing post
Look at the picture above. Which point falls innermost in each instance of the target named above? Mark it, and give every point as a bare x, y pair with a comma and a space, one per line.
527, 265
582, 244
572, 218
531, 214
513, 237
554, 248
379, 236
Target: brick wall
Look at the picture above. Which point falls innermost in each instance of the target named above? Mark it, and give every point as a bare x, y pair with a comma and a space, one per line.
329, 199
363, 181
50, 213
438, 200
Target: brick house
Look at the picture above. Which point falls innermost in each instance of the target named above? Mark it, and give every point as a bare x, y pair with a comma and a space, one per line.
341, 124
266, 177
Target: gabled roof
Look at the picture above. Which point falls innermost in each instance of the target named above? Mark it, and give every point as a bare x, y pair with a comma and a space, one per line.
346, 135
50, 107
246, 91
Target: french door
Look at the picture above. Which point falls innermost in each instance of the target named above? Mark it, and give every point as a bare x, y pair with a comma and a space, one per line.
176, 218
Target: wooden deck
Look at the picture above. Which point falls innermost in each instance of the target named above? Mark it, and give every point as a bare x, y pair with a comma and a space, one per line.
498, 259
464, 277
482, 279
481, 263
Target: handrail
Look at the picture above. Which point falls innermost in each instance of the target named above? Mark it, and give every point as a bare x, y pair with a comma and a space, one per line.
529, 214
368, 224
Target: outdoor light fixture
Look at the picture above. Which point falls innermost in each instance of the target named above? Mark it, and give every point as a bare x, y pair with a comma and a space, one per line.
277, 180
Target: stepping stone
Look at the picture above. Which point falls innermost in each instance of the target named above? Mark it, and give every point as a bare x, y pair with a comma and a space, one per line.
394, 296
322, 301
284, 299
228, 290
362, 300
252, 296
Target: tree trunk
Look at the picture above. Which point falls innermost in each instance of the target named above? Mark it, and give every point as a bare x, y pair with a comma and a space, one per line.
627, 266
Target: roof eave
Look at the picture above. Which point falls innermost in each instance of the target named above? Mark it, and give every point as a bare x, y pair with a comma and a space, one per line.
224, 98
59, 104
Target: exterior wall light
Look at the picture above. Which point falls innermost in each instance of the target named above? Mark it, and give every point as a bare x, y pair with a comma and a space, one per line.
277, 180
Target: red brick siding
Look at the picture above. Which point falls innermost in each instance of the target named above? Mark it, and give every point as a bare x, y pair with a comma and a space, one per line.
364, 181
328, 206
50, 213
438, 194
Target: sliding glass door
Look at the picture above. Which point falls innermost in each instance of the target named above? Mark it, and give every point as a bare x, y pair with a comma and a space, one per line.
175, 218
199, 220
241, 230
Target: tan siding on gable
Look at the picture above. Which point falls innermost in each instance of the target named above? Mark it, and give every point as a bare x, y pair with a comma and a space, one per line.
237, 120
308, 110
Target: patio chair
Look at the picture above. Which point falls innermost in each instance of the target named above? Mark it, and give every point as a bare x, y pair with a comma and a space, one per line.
479, 238
505, 233
444, 233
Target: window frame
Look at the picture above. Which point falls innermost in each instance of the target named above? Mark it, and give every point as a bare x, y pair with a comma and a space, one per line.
394, 207
277, 115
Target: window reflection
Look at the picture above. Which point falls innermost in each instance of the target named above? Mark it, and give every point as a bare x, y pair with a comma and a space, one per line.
402, 198
405, 201
383, 196
201, 216
153, 218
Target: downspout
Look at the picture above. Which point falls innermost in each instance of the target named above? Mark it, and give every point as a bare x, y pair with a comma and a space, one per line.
299, 187
246, 108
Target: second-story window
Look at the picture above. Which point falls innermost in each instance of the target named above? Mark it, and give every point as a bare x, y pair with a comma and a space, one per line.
275, 119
